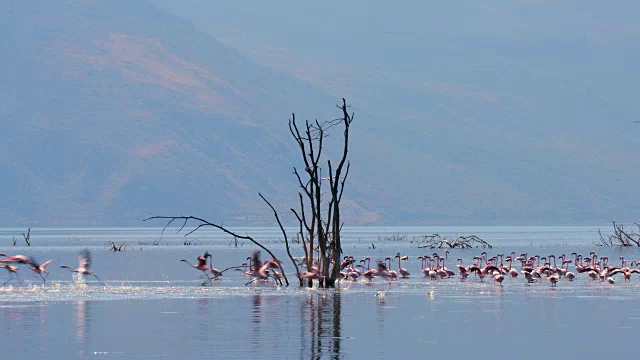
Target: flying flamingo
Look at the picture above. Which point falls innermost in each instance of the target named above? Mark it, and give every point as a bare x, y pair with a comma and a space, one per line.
84, 265
20, 259
41, 269
249, 266
202, 263
265, 271
12, 270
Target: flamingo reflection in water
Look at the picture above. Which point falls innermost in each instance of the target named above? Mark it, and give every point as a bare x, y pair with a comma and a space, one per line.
84, 265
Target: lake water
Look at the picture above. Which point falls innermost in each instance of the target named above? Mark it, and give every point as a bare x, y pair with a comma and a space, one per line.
152, 305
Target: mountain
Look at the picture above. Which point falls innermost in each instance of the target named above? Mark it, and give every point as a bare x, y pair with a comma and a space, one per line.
113, 111
116, 110
509, 112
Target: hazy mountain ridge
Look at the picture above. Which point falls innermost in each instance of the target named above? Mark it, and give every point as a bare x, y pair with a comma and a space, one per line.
525, 104
117, 110
121, 120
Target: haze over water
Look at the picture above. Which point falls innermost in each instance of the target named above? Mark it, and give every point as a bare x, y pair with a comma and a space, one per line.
153, 305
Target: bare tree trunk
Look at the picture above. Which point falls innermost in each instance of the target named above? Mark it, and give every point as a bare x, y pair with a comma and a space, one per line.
326, 234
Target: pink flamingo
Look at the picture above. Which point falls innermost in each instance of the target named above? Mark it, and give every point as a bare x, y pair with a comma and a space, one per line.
11, 270
446, 272
390, 273
202, 263
20, 259
433, 275
215, 272
369, 273
464, 272
511, 271
84, 265
248, 266
423, 264
41, 269
553, 279
402, 270
529, 277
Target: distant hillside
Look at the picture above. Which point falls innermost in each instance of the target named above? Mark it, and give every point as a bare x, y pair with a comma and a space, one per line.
116, 110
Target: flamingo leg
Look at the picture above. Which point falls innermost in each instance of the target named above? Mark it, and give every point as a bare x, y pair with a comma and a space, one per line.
100, 281
209, 279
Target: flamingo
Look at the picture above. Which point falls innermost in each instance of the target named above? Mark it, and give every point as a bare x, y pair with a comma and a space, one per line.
202, 263
433, 275
463, 271
529, 277
447, 272
215, 272
11, 270
390, 273
20, 259
263, 272
402, 270
553, 279
84, 265
41, 269
382, 270
369, 273
512, 272
423, 262
249, 266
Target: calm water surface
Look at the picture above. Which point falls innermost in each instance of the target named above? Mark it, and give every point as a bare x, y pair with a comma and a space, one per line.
152, 305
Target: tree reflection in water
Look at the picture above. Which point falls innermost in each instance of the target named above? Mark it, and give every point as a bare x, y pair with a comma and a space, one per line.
321, 325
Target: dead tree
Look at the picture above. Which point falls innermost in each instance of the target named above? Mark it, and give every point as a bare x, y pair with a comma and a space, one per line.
27, 238
318, 235
337, 189
436, 241
620, 237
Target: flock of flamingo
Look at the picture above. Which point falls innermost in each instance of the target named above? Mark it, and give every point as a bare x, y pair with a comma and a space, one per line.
11, 262
533, 268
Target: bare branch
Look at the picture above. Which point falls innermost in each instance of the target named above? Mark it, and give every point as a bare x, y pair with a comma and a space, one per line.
284, 233
204, 222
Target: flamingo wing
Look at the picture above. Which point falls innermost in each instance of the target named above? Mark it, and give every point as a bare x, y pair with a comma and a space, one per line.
84, 259
44, 264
